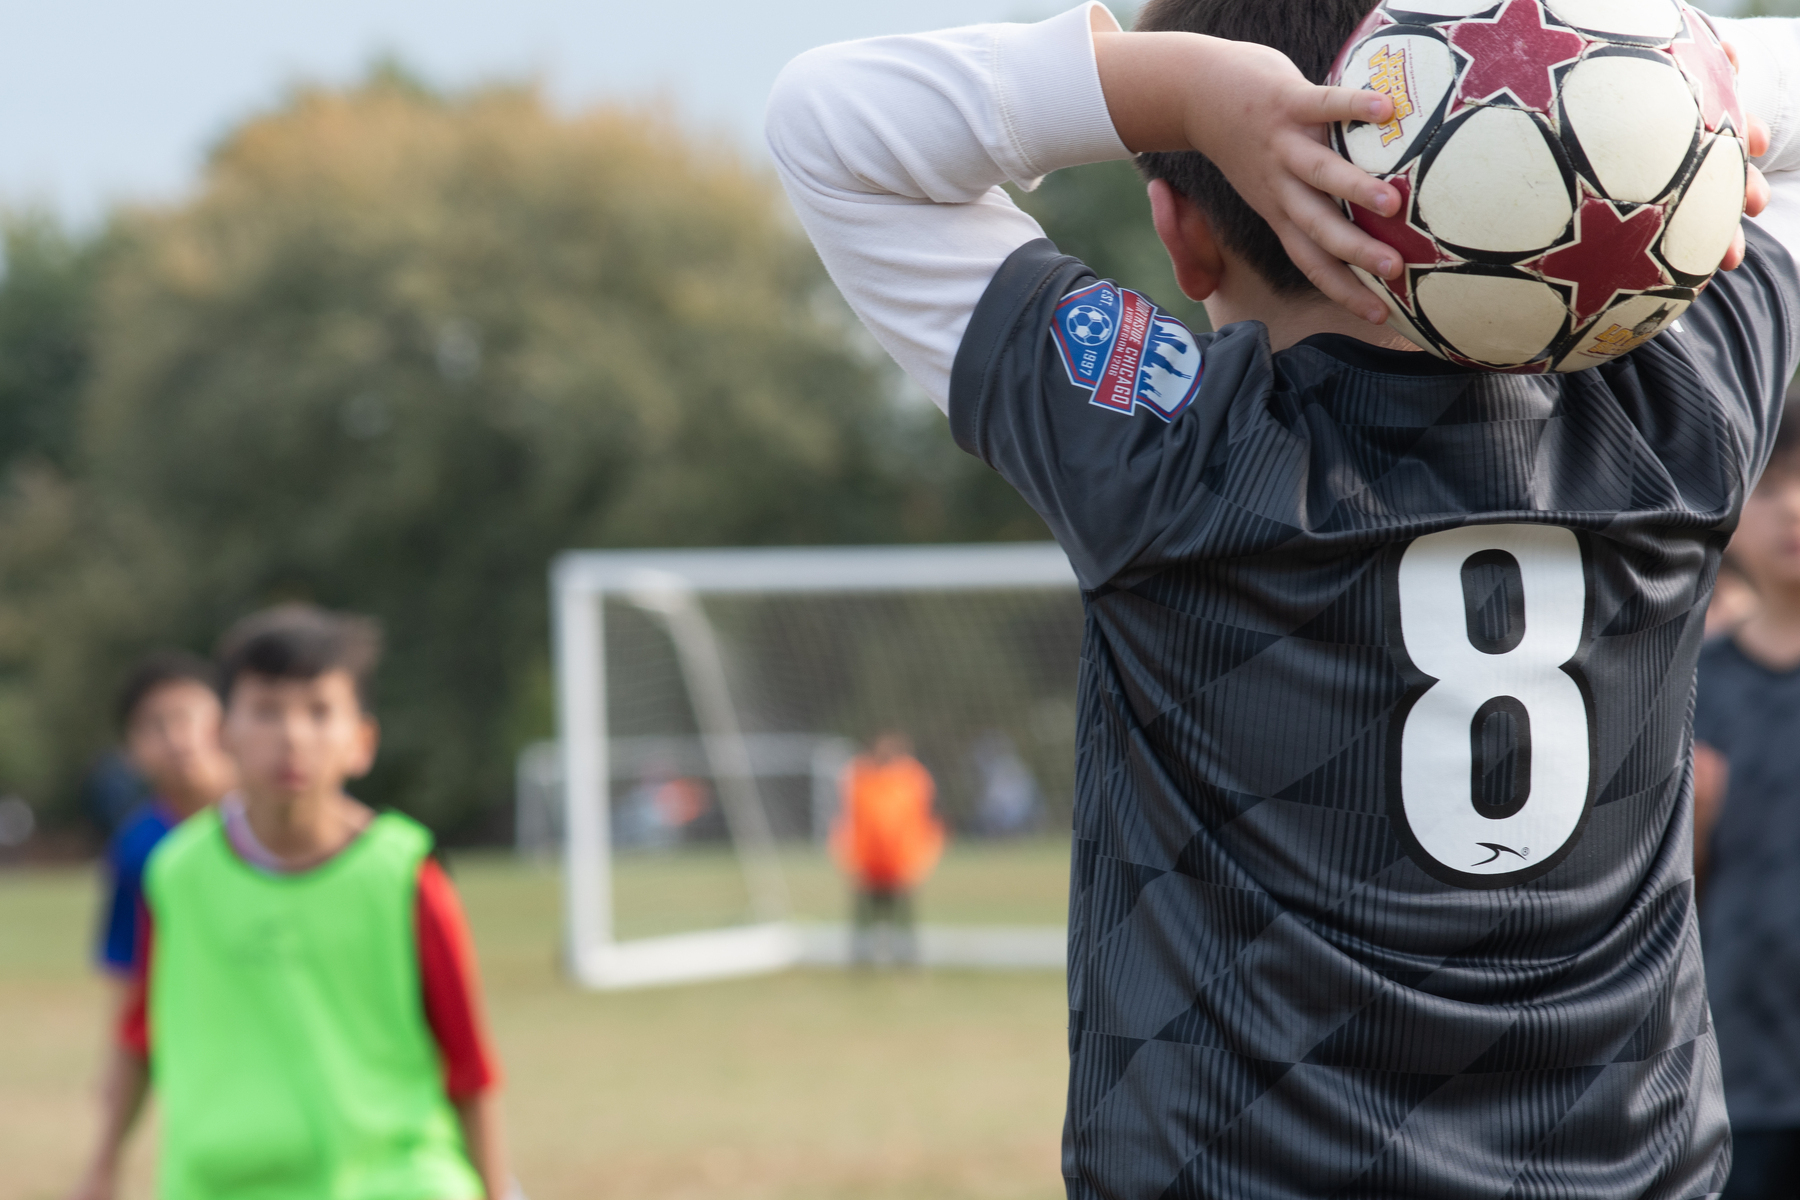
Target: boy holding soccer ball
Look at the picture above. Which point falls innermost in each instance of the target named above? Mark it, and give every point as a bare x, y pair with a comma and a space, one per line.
306, 1008
1383, 875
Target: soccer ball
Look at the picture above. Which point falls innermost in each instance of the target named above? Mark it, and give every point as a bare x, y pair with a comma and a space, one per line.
1089, 326
1570, 171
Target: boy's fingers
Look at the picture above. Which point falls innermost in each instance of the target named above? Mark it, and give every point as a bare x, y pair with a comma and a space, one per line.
1756, 193
1333, 278
1756, 139
1324, 225
1336, 176
1734, 257
1323, 105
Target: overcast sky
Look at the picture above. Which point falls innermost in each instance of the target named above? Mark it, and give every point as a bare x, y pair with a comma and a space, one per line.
103, 99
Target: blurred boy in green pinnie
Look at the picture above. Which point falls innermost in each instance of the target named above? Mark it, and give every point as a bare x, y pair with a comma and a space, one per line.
306, 1006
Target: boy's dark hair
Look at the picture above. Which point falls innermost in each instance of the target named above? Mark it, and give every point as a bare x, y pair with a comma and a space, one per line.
301, 641
158, 670
1310, 32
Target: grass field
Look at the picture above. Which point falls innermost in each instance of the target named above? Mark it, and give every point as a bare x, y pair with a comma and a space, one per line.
814, 1085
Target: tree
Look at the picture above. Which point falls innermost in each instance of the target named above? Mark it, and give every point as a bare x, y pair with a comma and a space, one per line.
399, 351
45, 316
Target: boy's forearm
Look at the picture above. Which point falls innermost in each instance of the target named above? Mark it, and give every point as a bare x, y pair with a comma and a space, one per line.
892, 150
123, 1092
485, 1142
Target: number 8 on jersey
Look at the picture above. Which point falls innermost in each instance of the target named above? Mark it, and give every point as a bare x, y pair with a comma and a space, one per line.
1492, 752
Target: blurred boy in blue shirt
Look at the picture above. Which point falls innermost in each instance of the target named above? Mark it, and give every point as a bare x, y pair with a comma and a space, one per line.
169, 714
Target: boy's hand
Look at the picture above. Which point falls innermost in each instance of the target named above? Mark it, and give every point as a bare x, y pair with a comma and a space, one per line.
1248, 109
1756, 191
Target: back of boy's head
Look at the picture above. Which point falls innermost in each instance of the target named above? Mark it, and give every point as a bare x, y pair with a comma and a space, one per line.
156, 671
1310, 32
301, 641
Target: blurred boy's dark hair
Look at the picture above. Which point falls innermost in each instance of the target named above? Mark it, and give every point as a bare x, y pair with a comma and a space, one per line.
1310, 32
301, 641
157, 670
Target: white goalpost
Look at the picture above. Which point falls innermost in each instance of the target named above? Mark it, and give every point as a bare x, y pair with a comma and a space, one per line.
751, 669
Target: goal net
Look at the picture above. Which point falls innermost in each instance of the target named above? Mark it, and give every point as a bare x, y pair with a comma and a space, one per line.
709, 700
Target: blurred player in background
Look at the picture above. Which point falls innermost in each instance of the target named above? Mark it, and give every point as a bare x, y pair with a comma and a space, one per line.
169, 713
887, 839
306, 1001
1747, 834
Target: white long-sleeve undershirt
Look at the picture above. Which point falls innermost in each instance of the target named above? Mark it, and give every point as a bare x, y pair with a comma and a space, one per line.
893, 149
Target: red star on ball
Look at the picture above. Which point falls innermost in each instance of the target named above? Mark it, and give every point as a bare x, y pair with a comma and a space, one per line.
1710, 71
1610, 254
1514, 52
1415, 248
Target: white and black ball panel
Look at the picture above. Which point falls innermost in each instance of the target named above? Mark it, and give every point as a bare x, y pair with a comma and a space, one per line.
1503, 272
1418, 70
1398, 320
1494, 182
1498, 318
1646, 20
1633, 119
1706, 218
1622, 328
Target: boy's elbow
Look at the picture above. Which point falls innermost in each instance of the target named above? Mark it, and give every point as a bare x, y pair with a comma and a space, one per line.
801, 95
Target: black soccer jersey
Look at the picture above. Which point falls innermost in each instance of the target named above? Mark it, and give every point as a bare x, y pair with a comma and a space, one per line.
1382, 882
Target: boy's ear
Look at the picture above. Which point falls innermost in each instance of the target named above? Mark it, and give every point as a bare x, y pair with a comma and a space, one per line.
368, 741
1188, 237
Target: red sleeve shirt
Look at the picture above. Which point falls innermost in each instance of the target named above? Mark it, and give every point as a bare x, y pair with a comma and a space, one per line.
447, 981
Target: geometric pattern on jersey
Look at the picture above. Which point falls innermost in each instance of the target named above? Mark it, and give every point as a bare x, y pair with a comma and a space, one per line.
1275, 989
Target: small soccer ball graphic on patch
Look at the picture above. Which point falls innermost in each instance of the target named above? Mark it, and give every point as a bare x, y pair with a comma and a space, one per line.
1089, 326
1571, 172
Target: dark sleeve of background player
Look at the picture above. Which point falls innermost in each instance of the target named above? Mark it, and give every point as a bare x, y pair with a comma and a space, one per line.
1716, 704
451, 989
1742, 339
1108, 485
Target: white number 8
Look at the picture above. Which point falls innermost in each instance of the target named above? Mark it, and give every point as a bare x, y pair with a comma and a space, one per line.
1495, 753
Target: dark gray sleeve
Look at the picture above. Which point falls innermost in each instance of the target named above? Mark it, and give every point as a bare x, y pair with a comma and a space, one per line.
1107, 478
1741, 339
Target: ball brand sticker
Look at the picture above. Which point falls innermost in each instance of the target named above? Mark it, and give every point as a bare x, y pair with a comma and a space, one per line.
1619, 339
1126, 351
1388, 75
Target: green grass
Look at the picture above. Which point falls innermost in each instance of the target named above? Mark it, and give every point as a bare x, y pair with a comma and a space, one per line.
1014, 883
813, 1085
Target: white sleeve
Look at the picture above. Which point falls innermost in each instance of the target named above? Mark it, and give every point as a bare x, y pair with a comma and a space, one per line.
892, 150
1768, 50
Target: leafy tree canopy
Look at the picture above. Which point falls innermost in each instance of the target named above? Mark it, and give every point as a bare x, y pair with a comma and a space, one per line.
396, 353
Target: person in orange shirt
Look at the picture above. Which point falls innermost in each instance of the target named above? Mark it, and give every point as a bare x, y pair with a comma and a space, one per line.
887, 839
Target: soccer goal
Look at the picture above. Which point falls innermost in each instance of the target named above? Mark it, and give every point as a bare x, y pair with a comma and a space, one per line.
708, 700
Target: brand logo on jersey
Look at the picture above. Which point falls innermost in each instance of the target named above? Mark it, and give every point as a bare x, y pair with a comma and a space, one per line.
1389, 77
1126, 351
